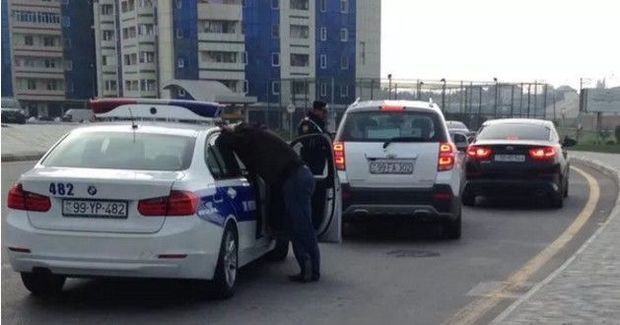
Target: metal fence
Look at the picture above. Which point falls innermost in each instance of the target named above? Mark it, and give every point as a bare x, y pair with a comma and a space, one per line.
471, 102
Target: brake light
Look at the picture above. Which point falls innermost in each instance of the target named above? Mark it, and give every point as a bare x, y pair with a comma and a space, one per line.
392, 108
446, 156
22, 200
179, 203
542, 153
480, 153
339, 155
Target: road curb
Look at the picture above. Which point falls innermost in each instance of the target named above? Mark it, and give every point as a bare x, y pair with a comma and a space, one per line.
23, 157
615, 213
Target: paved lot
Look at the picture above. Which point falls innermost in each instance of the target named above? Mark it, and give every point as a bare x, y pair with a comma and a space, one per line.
378, 275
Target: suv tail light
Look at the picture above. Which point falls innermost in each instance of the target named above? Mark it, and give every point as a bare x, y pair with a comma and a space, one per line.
21, 200
542, 153
446, 156
179, 203
479, 153
339, 155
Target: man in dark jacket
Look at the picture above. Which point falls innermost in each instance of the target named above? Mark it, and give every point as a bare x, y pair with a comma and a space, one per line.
269, 157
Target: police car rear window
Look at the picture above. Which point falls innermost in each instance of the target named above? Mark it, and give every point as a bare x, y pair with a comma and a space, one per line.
406, 126
119, 150
514, 131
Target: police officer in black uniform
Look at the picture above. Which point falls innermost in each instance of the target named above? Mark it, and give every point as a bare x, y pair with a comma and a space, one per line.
315, 153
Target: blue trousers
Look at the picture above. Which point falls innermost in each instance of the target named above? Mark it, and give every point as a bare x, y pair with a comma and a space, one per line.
298, 190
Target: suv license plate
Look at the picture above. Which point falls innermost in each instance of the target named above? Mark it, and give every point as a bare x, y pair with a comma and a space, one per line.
391, 167
510, 158
94, 209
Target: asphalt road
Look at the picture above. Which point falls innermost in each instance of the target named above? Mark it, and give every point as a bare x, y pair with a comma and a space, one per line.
389, 274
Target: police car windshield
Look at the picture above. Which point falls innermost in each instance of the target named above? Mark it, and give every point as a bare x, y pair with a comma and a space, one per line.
405, 126
119, 150
514, 131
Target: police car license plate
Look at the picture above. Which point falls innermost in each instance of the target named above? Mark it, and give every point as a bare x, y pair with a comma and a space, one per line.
391, 167
94, 209
510, 158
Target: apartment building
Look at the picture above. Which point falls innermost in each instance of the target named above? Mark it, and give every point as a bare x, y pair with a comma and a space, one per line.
270, 50
51, 54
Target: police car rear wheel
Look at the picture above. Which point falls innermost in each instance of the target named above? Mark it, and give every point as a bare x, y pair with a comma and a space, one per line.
43, 283
226, 271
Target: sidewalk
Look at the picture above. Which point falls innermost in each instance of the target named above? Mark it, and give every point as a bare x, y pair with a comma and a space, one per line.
585, 289
31, 141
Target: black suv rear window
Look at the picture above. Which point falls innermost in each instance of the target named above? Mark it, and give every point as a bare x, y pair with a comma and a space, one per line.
514, 131
402, 126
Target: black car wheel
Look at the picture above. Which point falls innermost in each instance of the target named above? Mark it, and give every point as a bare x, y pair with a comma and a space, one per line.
43, 283
452, 229
468, 198
225, 279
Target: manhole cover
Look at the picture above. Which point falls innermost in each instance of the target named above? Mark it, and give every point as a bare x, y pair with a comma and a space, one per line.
412, 253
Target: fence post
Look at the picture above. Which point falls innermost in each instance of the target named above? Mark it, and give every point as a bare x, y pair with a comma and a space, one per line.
372, 88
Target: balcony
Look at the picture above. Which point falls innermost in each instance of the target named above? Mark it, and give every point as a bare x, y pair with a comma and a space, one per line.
220, 11
226, 37
39, 72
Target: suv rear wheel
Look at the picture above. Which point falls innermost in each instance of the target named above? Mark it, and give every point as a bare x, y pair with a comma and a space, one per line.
452, 229
468, 198
43, 283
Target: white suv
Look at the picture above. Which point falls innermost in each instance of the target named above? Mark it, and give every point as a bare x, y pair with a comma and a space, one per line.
396, 158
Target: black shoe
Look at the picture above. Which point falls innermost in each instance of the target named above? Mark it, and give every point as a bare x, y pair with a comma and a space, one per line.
301, 278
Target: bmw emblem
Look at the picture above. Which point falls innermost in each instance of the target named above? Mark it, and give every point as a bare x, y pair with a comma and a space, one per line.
92, 190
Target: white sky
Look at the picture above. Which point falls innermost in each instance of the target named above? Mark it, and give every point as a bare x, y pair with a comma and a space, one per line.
514, 40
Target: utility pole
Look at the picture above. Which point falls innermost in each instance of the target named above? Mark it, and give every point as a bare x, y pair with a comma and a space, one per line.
545, 101
461, 99
535, 98
529, 89
443, 95
512, 100
521, 101
495, 101
389, 86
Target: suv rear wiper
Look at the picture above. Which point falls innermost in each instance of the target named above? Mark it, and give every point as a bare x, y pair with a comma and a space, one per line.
400, 139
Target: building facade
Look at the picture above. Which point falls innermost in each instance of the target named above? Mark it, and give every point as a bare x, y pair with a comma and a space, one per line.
277, 51
7, 82
52, 52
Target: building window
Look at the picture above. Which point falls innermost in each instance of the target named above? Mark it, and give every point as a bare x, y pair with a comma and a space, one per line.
181, 63
344, 35
108, 35
323, 5
300, 31
344, 62
300, 4
147, 57
344, 91
68, 65
66, 21
107, 10
344, 6
323, 33
244, 56
179, 4
28, 40
49, 41
246, 87
104, 60
275, 87
323, 61
275, 4
299, 87
300, 60
52, 85
218, 26
323, 90
363, 52
275, 31
275, 59
219, 56
32, 84
145, 29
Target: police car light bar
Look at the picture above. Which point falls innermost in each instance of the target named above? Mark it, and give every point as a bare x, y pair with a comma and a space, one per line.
158, 109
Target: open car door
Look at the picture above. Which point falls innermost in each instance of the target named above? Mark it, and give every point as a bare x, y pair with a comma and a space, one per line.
316, 151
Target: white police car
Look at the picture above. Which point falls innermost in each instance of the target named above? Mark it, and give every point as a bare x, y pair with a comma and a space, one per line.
397, 159
138, 198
